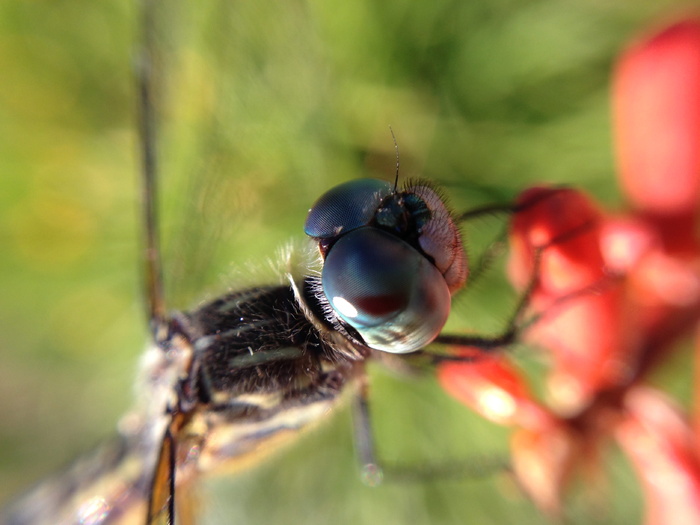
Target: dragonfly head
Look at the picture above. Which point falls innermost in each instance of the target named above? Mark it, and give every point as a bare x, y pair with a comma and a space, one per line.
392, 260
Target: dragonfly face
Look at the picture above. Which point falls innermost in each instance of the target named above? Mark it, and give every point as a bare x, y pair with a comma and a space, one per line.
391, 260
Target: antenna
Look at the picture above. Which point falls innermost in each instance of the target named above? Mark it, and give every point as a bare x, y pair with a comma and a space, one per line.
396, 148
152, 265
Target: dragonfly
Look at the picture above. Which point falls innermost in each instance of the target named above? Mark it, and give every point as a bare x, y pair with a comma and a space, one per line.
164, 444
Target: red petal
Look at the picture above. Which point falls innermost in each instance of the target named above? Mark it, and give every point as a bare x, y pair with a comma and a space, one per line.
696, 393
565, 223
544, 460
582, 323
664, 452
662, 288
656, 101
588, 341
625, 240
493, 388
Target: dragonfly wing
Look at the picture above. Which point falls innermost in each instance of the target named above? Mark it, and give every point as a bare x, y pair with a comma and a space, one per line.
161, 503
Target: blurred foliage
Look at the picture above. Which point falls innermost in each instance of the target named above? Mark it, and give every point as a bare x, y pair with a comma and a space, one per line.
263, 106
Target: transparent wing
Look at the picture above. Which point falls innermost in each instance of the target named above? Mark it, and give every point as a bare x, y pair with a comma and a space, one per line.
71, 324
242, 132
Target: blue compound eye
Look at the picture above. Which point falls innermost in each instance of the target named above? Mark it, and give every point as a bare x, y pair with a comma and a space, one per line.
346, 207
385, 289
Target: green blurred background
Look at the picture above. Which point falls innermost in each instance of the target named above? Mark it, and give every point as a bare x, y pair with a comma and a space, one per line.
265, 105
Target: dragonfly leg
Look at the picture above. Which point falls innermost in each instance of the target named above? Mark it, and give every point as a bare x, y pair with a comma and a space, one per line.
510, 334
517, 323
371, 472
497, 247
374, 471
496, 209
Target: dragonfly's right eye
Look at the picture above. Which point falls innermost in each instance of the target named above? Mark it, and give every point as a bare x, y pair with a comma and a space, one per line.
387, 290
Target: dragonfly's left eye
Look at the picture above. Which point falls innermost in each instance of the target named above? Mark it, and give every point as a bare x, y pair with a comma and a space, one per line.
346, 207
387, 290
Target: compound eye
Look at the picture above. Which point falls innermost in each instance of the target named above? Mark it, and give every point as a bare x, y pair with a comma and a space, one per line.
346, 207
385, 289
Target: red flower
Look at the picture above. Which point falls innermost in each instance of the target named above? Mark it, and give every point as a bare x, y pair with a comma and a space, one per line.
657, 120
664, 451
615, 292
